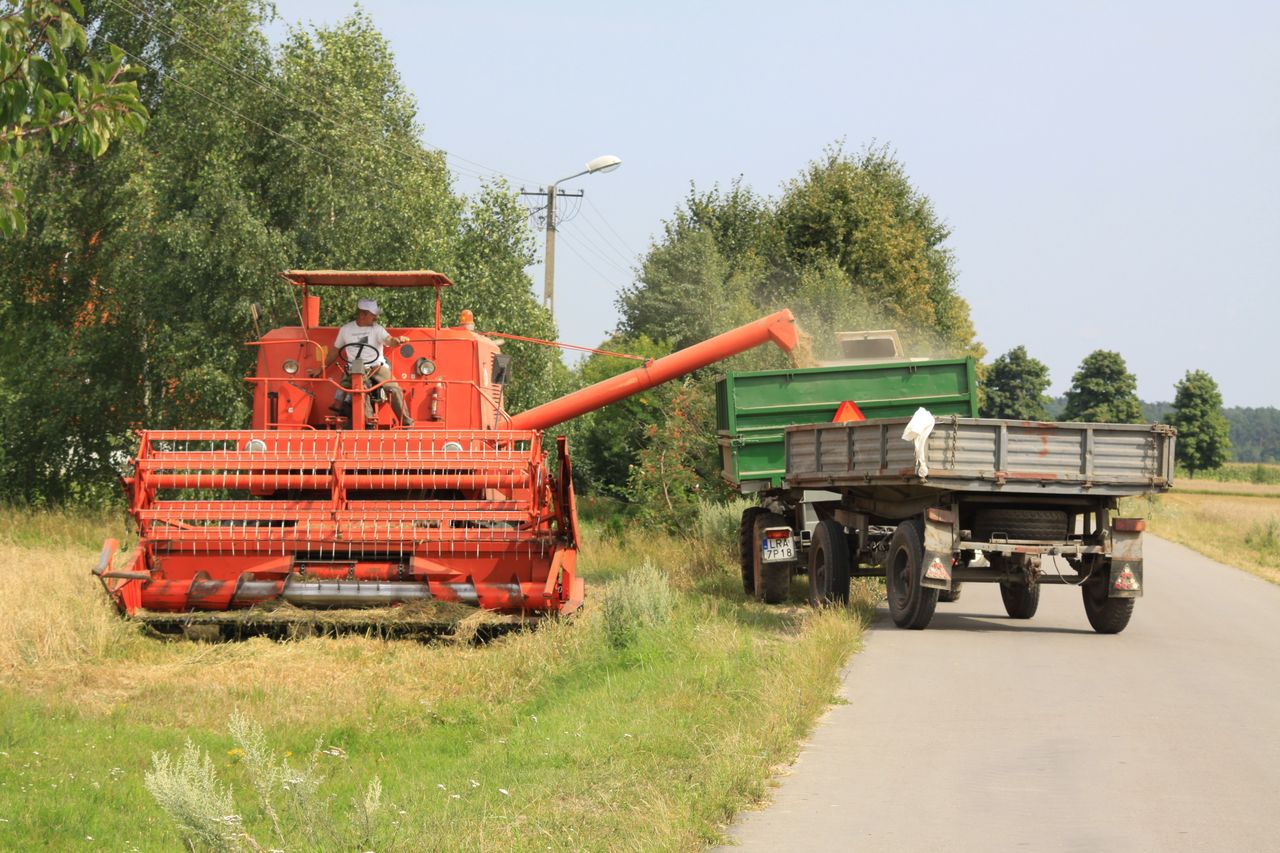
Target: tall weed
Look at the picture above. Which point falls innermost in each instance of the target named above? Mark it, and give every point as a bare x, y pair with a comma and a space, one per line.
713, 544
637, 602
187, 788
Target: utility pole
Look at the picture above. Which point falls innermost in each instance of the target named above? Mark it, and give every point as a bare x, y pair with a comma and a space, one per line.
549, 265
603, 163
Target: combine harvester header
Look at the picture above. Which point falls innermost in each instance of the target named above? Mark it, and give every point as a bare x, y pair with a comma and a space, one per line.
330, 502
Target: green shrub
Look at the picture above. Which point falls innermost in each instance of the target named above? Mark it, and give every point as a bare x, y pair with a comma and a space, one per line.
636, 602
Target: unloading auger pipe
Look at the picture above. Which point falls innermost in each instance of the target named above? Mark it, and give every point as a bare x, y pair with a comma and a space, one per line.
779, 327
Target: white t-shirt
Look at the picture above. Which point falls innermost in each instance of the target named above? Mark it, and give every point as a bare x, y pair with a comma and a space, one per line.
353, 333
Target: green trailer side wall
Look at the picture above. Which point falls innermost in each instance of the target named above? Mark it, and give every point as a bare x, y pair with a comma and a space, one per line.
754, 408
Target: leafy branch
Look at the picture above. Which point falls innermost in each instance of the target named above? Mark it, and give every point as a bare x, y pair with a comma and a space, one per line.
55, 94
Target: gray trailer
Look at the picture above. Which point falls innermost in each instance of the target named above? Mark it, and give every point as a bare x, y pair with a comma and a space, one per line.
1038, 500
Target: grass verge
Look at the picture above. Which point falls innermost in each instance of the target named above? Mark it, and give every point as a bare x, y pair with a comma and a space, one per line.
565, 737
1242, 530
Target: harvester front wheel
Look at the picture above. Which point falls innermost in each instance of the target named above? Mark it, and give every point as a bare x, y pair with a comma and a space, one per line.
747, 547
773, 580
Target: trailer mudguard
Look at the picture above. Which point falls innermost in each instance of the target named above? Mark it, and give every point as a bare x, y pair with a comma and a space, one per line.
939, 545
1125, 563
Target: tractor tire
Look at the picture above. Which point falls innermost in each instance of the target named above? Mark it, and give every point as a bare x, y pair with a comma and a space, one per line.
950, 596
910, 604
772, 580
1039, 524
1020, 600
828, 564
746, 547
1107, 615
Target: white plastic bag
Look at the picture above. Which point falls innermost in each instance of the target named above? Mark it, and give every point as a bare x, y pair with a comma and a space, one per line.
917, 432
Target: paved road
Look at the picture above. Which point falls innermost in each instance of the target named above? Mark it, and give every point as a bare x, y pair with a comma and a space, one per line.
985, 734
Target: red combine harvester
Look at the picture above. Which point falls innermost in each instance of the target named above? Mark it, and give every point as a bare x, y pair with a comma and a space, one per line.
316, 507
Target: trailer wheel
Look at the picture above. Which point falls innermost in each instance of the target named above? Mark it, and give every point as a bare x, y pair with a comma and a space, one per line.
747, 548
1050, 524
828, 564
950, 596
910, 604
773, 580
1107, 615
1021, 600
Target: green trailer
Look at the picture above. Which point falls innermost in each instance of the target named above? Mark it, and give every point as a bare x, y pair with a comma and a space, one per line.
753, 409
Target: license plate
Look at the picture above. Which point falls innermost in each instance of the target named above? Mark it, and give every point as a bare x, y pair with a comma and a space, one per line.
777, 546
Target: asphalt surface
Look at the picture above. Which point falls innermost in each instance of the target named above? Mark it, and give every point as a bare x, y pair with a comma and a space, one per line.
984, 733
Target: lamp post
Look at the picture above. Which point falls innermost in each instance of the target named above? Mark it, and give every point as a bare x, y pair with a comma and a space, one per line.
602, 164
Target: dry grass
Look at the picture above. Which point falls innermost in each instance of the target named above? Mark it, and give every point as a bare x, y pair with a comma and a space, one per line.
61, 640
657, 743
1241, 530
64, 643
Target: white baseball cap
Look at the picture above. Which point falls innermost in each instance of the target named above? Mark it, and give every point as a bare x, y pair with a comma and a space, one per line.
368, 305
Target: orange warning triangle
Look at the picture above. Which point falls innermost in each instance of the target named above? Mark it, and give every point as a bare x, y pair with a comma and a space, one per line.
848, 411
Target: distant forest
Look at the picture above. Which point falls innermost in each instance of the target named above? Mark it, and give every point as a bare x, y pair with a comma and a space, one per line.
1255, 433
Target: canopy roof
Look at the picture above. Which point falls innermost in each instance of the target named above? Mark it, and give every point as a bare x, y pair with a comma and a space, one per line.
368, 278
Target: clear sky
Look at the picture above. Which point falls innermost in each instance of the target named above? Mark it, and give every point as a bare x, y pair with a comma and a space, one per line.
1110, 171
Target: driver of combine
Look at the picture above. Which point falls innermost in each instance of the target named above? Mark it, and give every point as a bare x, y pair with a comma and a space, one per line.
364, 338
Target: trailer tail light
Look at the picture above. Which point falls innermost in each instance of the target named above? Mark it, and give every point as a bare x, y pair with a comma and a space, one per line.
1130, 525
1126, 581
778, 533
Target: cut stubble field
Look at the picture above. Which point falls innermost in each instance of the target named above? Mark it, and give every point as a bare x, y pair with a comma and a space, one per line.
554, 738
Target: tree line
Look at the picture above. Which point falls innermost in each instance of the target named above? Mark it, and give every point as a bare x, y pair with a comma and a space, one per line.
1104, 391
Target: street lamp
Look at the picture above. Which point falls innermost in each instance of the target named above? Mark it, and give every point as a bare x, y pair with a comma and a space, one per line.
602, 164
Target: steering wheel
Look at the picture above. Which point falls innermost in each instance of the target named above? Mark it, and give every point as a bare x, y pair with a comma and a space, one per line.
360, 347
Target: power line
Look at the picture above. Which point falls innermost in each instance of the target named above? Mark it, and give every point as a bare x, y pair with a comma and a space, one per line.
204, 50
605, 239
538, 211
590, 245
605, 220
593, 268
